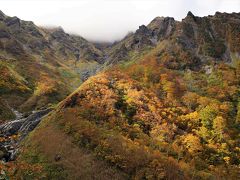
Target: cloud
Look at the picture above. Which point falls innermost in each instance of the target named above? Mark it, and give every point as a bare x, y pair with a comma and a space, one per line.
109, 19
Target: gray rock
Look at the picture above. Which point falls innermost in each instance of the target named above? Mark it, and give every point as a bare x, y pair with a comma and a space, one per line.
4, 33
22, 126
13, 22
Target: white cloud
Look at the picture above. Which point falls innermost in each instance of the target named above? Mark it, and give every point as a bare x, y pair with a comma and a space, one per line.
109, 19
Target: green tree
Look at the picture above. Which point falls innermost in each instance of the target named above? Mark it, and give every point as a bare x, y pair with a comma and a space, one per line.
207, 115
219, 124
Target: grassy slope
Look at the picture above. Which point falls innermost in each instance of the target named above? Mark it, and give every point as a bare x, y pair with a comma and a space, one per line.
75, 162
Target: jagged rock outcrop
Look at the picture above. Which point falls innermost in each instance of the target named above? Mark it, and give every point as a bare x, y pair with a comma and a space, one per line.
207, 37
73, 46
35, 40
162, 27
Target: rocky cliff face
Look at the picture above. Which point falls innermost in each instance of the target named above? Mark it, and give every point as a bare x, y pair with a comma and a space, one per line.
207, 37
72, 45
30, 38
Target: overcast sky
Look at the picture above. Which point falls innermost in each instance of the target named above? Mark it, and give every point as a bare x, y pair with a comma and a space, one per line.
109, 20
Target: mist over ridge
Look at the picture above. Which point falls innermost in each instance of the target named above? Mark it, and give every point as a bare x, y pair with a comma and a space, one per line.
104, 20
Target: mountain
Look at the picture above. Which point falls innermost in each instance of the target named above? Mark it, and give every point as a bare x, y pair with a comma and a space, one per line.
40, 66
202, 38
165, 104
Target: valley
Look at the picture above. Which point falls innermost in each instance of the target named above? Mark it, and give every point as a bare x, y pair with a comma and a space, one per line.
162, 103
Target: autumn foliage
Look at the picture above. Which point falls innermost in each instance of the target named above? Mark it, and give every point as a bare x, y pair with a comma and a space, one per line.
152, 122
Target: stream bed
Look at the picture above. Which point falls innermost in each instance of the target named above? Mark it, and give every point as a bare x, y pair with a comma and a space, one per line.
13, 132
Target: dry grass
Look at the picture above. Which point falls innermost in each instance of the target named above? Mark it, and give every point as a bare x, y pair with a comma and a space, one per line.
78, 163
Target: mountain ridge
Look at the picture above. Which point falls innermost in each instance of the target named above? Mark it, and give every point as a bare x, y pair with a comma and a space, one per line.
190, 25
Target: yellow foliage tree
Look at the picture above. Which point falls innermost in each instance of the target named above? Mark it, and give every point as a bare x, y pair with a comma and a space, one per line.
192, 144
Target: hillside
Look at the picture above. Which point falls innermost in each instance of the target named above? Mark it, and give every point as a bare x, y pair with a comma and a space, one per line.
166, 105
146, 124
40, 66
